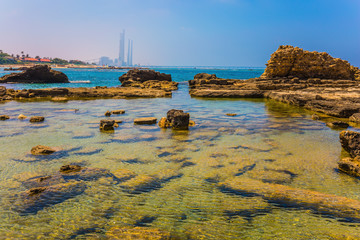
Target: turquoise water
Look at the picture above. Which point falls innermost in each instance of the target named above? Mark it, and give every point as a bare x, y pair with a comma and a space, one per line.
110, 78
267, 141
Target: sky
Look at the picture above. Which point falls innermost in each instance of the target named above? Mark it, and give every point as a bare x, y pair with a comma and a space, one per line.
181, 32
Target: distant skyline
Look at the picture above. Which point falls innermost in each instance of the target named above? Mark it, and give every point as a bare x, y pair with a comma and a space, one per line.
181, 32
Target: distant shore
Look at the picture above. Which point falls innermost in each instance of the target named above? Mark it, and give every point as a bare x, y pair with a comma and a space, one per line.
68, 66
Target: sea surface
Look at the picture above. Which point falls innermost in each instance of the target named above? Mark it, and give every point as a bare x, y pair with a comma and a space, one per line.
266, 140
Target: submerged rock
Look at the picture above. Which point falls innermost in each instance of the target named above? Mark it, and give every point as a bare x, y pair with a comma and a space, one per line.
319, 202
36, 74
135, 233
70, 168
76, 172
146, 120
107, 114
117, 111
37, 119
141, 183
337, 124
231, 114
42, 150
124, 174
350, 166
35, 199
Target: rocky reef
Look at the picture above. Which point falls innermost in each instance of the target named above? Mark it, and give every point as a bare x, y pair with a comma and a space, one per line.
147, 79
36, 74
312, 80
350, 142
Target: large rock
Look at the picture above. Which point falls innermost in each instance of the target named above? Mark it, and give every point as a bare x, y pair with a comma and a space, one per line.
289, 61
42, 150
36, 74
350, 141
147, 79
178, 119
107, 125
350, 166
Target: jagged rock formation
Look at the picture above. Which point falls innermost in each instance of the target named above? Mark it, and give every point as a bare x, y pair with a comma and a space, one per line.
36, 74
290, 62
147, 79
350, 143
177, 119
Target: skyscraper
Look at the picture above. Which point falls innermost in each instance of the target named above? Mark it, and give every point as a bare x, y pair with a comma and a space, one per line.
130, 53
122, 49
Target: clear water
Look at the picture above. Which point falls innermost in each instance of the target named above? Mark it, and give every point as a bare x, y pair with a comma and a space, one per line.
274, 139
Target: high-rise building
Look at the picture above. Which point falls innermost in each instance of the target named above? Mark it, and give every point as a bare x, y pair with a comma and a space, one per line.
105, 61
130, 52
122, 49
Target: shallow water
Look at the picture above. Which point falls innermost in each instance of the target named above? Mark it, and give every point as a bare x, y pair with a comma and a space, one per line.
267, 140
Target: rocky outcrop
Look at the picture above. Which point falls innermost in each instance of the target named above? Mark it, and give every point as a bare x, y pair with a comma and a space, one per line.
290, 62
350, 142
145, 120
36, 74
147, 79
107, 125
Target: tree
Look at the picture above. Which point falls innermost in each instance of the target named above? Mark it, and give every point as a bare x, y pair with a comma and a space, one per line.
37, 57
27, 55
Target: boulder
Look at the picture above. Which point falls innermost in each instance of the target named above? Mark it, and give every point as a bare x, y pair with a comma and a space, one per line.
37, 119
178, 119
146, 120
290, 62
350, 141
2, 91
107, 125
205, 76
355, 118
42, 150
36, 74
350, 166
337, 124
22, 117
4, 117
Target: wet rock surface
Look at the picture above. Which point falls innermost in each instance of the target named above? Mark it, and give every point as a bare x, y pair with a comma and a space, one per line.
107, 125
37, 119
147, 79
42, 150
350, 141
176, 119
4, 117
36, 74
145, 120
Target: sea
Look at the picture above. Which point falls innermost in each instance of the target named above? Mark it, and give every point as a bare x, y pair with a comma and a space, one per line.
145, 182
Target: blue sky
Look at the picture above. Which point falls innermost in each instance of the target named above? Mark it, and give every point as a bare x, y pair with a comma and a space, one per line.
181, 32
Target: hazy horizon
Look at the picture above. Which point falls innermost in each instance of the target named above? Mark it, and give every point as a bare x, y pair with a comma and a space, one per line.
204, 33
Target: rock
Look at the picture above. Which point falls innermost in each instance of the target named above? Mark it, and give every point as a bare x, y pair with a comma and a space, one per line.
4, 117
140, 184
36, 199
108, 114
350, 141
107, 125
355, 118
315, 117
295, 62
231, 114
37, 119
123, 174
178, 119
147, 79
2, 91
205, 76
350, 166
42, 150
337, 124
319, 202
22, 117
164, 123
191, 123
146, 120
117, 111
36, 74
42, 181
70, 168
59, 99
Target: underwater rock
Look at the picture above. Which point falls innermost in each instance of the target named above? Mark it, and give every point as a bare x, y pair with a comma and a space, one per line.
21, 117
123, 174
36, 199
36, 74
117, 111
43, 181
337, 124
141, 183
350, 141
231, 114
82, 173
107, 114
37, 119
42, 150
319, 202
70, 169
4, 117
355, 118
146, 120
135, 233
350, 166
107, 125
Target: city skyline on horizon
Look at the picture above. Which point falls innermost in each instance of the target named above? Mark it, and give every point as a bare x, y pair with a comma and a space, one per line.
175, 33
